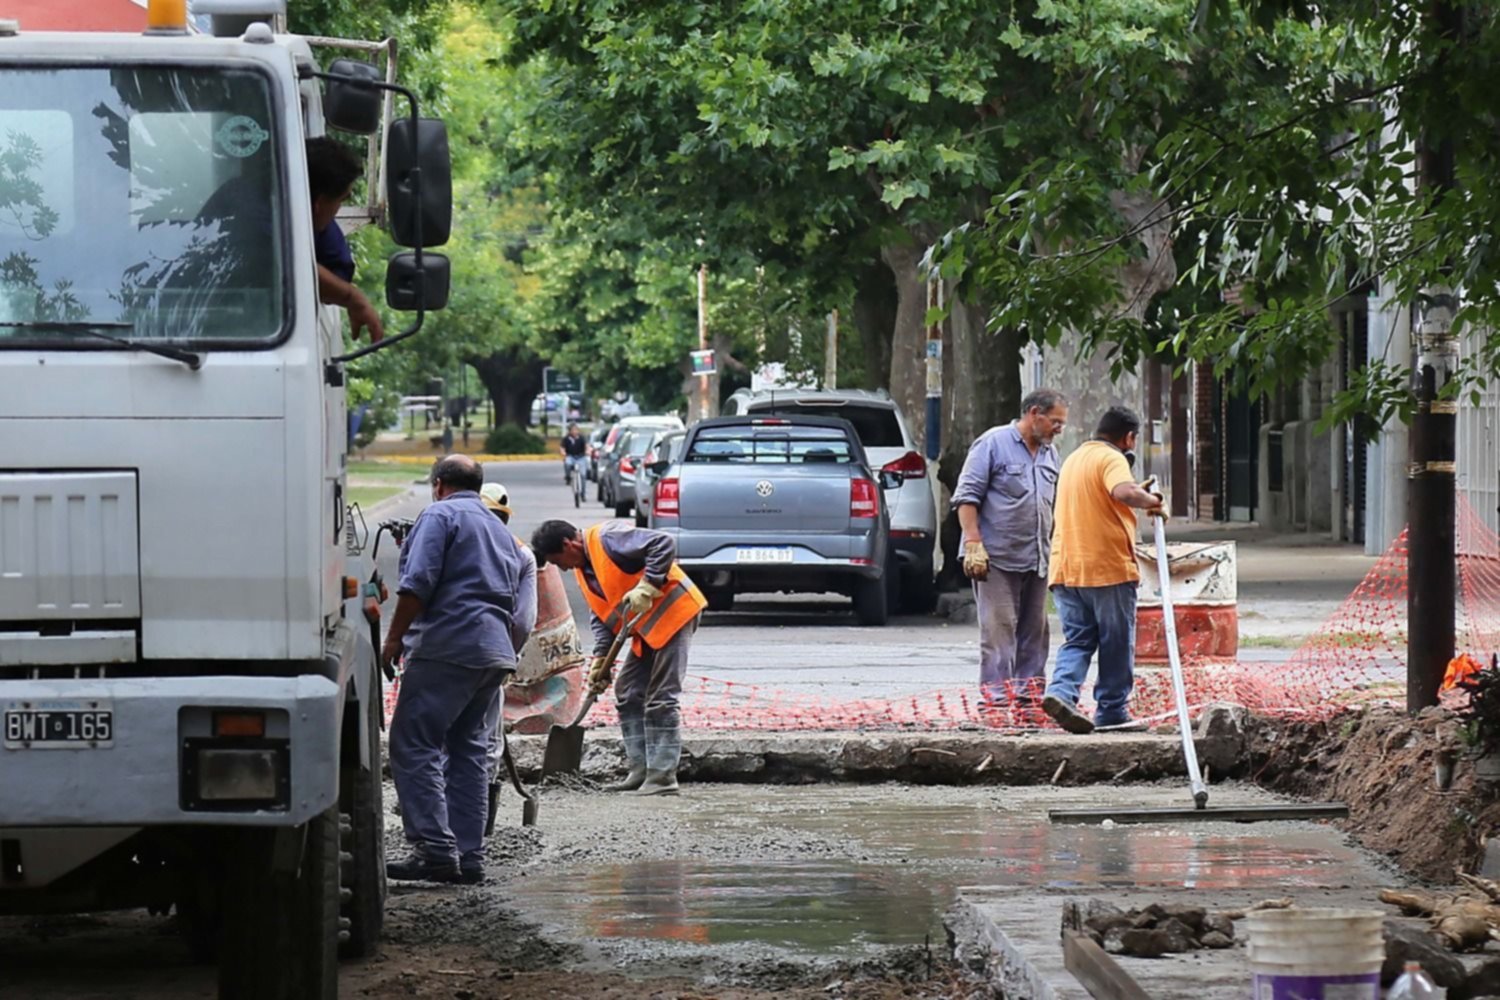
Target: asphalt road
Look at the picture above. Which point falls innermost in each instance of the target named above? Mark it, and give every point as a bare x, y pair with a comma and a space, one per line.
797, 643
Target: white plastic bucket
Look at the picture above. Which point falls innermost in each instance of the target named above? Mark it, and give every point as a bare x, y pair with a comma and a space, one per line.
1316, 954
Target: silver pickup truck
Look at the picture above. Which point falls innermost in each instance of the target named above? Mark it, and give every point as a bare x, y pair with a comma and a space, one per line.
779, 504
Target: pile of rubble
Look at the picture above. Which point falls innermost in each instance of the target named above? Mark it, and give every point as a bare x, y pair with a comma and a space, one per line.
1155, 930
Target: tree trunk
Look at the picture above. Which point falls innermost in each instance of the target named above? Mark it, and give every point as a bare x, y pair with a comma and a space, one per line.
512, 377
875, 319
982, 388
908, 384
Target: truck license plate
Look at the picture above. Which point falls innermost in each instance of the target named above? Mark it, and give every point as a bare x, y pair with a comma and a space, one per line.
763, 555
53, 725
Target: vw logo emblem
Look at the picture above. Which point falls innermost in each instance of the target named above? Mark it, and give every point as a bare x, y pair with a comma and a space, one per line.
764, 488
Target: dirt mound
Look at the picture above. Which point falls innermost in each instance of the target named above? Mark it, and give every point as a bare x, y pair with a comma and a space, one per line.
1381, 762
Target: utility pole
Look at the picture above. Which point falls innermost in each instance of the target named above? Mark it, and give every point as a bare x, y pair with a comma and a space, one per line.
703, 384
1432, 566
831, 352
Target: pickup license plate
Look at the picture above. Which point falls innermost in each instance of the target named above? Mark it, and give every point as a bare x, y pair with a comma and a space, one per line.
54, 725
763, 555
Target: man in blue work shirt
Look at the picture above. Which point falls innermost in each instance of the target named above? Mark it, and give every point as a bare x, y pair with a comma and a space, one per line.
466, 605
1004, 503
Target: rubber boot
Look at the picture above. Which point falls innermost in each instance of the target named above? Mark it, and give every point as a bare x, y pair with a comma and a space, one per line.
659, 783
632, 781
663, 751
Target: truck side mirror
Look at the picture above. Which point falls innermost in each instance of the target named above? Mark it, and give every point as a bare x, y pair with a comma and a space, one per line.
413, 148
349, 104
890, 480
408, 289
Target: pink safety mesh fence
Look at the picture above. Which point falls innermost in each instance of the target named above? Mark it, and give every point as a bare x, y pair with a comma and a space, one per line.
1359, 655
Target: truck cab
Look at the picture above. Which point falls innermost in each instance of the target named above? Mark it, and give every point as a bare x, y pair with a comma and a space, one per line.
190, 699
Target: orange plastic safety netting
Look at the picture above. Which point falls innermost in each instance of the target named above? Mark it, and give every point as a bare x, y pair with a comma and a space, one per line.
1359, 655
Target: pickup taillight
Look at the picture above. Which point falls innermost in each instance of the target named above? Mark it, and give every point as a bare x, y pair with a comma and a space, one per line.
908, 466
864, 500
668, 497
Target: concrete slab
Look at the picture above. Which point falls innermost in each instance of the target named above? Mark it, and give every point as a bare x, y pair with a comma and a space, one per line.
1014, 935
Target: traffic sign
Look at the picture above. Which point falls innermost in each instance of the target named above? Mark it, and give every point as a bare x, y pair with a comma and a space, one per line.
703, 363
556, 381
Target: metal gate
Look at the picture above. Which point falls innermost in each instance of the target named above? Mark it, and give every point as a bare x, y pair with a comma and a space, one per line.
1479, 457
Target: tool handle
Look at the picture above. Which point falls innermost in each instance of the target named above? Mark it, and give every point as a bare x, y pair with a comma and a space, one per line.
626, 627
1169, 625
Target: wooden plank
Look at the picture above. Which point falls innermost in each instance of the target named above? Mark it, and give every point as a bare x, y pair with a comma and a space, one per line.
1217, 814
1100, 974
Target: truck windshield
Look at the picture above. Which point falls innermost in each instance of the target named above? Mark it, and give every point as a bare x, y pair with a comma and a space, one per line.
143, 200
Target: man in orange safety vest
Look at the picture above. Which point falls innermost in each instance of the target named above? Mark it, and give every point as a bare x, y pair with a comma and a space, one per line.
630, 576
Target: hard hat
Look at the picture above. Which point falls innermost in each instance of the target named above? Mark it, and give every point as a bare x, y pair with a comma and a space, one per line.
496, 499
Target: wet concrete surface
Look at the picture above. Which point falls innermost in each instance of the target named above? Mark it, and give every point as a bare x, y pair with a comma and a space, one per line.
763, 888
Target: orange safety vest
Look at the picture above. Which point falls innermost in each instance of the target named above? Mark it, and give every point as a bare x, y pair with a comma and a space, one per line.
679, 603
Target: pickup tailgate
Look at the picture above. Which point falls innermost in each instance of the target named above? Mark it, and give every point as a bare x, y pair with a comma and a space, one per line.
772, 501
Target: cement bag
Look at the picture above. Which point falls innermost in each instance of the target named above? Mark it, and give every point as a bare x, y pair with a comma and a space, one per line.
547, 687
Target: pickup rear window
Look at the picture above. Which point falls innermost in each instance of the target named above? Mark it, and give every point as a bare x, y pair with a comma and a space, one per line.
876, 426
786, 445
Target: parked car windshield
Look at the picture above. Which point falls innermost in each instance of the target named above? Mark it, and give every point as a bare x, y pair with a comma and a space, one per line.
141, 200
772, 446
876, 426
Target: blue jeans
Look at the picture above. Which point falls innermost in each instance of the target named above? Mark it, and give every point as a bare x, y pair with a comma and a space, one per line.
575, 465
439, 748
1102, 619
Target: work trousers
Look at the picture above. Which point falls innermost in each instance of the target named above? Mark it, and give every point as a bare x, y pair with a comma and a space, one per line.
1098, 619
439, 747
646, 695
1013, 634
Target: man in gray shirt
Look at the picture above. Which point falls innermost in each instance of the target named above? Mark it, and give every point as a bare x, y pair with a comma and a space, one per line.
1004, 503
466, 605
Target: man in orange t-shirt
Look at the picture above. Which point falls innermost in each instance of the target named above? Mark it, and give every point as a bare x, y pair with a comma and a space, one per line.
1093, 576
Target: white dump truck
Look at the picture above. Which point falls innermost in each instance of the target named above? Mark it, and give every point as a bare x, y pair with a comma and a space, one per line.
189, 694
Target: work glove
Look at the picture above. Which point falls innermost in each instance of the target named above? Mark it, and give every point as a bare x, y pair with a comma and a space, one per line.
1160, 512
976, 561
640, 598
601, 672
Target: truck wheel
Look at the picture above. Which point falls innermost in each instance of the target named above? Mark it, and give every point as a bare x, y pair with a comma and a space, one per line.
872, 600
280, 926
362, 834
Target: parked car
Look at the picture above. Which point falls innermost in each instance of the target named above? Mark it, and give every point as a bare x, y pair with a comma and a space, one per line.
661, 453
620, 465
561, 408
596, 448
653, 422
883, 433
780, 505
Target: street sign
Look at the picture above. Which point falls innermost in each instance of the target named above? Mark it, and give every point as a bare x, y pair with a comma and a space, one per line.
703, 362
556, 381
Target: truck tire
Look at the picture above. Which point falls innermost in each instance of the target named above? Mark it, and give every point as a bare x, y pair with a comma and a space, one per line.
280, 927
872, 600
362, 802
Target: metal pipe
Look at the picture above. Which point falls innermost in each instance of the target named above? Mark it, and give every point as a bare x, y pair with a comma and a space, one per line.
1169, 625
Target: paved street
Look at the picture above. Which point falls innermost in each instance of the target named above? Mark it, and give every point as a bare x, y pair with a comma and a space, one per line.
811, 645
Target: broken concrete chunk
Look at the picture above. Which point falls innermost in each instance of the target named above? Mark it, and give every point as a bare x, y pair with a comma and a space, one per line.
1213, 939
1144, 943
1222, 719
1410, 941
1218, 923
1192, 916
1114, 940
1179, 936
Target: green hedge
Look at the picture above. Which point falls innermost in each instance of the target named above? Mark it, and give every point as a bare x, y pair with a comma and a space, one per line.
509, 439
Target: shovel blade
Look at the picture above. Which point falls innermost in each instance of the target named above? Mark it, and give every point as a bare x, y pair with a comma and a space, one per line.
529, 812
564, 753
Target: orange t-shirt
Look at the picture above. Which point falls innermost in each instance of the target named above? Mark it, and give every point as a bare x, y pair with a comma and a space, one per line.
1093, 534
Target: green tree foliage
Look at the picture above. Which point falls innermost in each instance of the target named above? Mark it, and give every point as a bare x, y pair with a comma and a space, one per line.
1279, 151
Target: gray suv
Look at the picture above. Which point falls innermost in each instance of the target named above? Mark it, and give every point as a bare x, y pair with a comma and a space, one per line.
779, 504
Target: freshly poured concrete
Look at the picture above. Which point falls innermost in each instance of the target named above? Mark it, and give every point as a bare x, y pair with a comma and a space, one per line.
765, 873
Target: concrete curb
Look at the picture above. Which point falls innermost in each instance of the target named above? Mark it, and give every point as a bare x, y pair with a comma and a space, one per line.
979, 945
950, 758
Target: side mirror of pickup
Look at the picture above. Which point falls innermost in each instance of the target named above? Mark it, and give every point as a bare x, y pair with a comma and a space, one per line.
409, 288
420, 182
891, 480
349, 103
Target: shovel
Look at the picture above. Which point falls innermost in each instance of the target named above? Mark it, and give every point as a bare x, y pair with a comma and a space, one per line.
565, 743
530, 807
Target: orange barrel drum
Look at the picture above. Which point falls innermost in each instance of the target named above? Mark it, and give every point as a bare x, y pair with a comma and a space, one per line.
1205, 600
548, 684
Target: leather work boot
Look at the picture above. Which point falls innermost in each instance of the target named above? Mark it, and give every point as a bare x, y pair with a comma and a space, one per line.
417, 868
659, 783
1067, 716
632, 781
